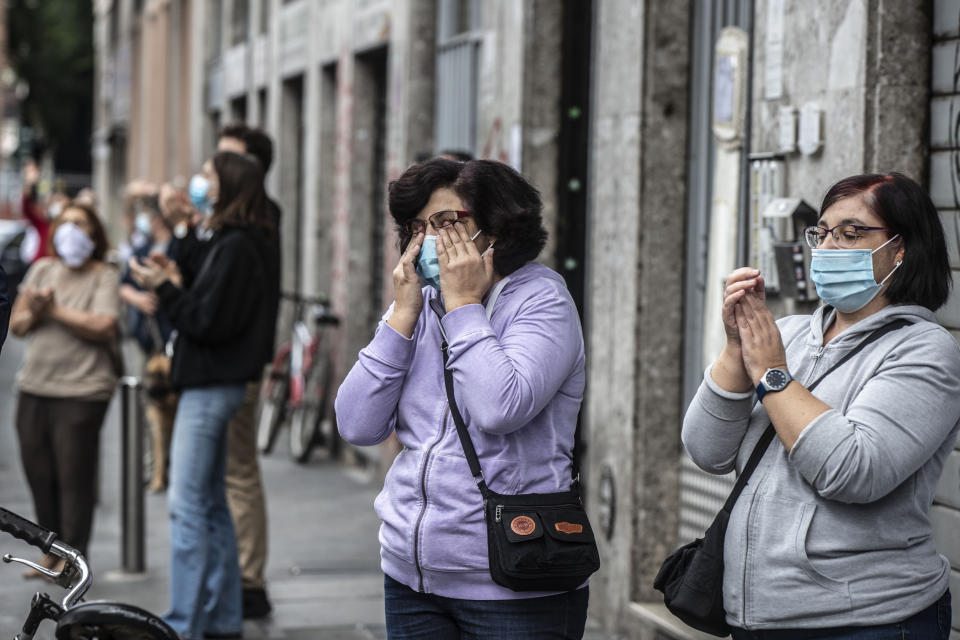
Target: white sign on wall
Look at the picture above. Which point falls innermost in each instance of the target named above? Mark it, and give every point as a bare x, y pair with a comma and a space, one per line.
811, 138
773, 51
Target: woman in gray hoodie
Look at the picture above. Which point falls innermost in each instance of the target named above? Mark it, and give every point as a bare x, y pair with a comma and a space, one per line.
831, 538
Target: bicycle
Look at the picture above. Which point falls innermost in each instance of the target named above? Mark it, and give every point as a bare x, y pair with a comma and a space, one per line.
296, 384
76, 620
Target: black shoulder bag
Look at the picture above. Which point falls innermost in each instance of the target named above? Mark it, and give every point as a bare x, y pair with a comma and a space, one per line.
535, 541
691, 578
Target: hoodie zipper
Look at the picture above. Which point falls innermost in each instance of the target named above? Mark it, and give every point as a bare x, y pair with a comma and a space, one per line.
423, 493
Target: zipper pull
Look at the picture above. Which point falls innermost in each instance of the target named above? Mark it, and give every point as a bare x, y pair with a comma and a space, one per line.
819, 353
498, 513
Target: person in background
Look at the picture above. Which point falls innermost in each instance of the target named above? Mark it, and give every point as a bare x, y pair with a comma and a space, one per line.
86, 196
831, 537
67, 309
137, 198
244, 483
36, 244
151, 329
221, 320
143, 304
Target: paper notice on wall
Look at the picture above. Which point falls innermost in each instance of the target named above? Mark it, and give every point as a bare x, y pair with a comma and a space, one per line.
516, 147
773, 51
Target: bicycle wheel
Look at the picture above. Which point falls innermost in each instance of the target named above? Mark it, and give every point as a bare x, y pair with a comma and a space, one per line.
273, 399
307, 418
112, 621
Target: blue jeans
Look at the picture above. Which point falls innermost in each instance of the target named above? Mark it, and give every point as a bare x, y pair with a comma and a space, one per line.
422, 616
933, 623
205, 592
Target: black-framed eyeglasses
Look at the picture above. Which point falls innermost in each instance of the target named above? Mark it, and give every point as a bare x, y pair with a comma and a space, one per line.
439, 220
845, 235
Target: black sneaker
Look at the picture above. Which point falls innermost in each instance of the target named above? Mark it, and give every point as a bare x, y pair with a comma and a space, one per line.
255, 603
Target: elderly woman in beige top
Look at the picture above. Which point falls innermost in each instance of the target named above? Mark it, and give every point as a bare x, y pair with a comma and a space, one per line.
67, 308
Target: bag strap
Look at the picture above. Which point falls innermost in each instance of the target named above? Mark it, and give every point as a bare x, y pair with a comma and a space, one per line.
468, 449
767, 437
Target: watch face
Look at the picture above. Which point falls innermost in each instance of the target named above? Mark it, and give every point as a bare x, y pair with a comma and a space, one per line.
775, 379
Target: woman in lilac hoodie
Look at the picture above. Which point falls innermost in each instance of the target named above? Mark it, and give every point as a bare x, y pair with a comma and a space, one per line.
470, 231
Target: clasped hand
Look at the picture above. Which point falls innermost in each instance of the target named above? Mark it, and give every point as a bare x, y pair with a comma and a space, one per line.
39, 301
749, 325
151, 273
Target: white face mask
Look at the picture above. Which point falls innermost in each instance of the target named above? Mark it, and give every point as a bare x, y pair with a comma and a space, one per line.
73, 245
142, 223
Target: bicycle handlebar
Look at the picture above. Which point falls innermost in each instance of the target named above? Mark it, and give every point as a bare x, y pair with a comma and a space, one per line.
46, 541
322, 315
27, 531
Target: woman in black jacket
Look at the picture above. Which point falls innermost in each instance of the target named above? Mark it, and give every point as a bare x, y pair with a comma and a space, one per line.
221, 322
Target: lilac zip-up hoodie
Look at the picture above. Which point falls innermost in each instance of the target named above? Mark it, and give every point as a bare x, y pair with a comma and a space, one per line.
518, 370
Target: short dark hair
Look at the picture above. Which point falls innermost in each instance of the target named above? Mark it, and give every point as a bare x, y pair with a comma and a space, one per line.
97, 232
256, 141
924, 277
503, 204
241, 200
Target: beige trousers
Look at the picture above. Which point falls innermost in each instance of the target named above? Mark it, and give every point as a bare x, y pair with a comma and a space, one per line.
245, 490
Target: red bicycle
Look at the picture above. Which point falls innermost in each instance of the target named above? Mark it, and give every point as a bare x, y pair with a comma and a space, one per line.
297, 384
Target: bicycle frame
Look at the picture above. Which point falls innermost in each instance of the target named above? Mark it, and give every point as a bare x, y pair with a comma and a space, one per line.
302, 352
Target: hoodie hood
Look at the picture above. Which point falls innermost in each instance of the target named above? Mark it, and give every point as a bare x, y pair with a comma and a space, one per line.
823, 317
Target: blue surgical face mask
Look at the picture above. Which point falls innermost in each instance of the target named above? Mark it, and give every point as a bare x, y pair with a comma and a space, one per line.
428, 265
844, 277
142, 223
200, 194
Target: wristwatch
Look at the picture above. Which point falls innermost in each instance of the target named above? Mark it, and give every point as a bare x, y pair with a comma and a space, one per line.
773, 380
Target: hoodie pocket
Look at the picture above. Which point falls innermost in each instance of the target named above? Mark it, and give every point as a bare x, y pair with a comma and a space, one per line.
454, 532
782, 583
398, 504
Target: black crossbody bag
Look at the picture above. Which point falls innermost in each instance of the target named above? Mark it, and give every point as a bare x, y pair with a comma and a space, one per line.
691, 578
535, 541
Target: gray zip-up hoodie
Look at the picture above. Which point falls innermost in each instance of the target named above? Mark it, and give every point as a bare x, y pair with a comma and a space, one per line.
837, 532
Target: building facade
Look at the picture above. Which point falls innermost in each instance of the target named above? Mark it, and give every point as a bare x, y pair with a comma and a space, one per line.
671, 141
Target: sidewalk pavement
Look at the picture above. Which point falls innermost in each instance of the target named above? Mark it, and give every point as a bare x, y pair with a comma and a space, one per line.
323, 571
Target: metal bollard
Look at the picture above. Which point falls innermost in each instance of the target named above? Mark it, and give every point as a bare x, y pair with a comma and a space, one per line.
131, 476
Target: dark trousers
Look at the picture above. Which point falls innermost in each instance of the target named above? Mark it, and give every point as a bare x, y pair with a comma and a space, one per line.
59, 449
423, 616
933, 623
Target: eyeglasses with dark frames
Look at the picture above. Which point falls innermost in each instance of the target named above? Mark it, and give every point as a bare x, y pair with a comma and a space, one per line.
439, 220
845, 235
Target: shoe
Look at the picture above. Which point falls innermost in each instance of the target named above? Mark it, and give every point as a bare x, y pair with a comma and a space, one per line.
255, 603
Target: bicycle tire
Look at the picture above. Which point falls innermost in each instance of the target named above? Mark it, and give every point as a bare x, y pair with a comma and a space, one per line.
112, 621
270, 411
302, 432
306, 419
